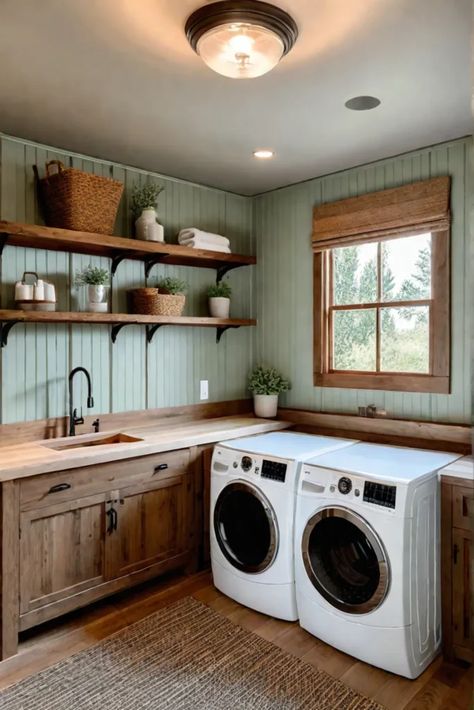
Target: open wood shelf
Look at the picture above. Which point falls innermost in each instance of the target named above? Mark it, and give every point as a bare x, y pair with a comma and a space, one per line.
118, 248
10, 318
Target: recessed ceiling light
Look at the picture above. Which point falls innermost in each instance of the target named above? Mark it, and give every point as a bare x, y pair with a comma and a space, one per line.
263, 154
362, 103
241, 39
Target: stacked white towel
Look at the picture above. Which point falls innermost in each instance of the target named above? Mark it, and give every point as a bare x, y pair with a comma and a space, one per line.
198, 239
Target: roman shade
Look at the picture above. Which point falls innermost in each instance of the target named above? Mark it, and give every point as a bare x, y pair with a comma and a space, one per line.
401, 211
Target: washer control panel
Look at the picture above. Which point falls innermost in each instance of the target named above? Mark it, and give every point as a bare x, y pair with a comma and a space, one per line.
275, 470
380, 494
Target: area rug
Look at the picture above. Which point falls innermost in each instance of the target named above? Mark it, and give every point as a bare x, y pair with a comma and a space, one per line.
183, 656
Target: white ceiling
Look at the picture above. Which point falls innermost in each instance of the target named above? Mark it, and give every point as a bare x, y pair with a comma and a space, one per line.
117, 79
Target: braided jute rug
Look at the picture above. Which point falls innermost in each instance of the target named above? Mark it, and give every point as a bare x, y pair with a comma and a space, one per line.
183, 656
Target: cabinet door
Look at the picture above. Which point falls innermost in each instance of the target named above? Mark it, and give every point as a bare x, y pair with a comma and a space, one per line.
151, 526
62, 551
462, 602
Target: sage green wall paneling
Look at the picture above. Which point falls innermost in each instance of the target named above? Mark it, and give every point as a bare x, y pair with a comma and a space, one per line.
128, 375
284, 281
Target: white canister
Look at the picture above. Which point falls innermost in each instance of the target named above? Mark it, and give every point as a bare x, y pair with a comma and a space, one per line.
38, 291
49, 292
23, 292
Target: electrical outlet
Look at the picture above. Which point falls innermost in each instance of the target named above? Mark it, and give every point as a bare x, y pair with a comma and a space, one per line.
204, 389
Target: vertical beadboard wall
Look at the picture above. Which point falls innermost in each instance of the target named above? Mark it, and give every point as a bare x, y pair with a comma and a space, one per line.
128, 375
285, 289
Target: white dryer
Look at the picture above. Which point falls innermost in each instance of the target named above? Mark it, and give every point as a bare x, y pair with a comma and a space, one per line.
367, 554
253, 486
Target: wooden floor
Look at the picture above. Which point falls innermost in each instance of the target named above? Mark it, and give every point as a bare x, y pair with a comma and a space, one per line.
442, 686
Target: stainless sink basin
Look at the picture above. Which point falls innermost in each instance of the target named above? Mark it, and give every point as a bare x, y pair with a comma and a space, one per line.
99, 441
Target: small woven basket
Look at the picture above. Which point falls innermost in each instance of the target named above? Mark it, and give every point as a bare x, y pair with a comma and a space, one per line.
145, 301
73, 199
170, 305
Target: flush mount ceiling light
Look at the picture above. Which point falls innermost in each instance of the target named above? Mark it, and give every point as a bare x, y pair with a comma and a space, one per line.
362, 103
241, 39
263, 154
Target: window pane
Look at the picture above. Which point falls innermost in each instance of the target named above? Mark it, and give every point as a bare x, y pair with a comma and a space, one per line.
404, 345
406, 268
355, 274
354, 339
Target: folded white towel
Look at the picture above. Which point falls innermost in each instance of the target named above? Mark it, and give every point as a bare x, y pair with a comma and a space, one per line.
193, 233
203, 244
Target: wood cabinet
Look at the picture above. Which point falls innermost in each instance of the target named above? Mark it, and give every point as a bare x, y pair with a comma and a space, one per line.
75, 536
457, 547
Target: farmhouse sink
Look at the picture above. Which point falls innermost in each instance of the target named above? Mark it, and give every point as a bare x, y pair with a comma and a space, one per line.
97, 441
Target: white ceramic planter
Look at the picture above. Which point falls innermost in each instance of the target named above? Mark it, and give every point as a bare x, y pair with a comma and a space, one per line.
219, 307
97, 298
148, 228
265, 405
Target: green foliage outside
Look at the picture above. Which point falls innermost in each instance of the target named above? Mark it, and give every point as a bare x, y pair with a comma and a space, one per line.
404, 331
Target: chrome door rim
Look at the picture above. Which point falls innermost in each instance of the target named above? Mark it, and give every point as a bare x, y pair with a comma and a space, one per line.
272, 523
383, 586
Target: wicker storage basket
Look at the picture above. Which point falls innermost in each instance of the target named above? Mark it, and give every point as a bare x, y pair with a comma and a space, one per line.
73, 199
144, 301
170, 305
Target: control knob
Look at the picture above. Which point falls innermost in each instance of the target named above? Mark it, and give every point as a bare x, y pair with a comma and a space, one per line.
246, 463
344, 485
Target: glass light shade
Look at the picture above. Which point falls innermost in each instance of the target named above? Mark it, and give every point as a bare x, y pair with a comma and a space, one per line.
240, 50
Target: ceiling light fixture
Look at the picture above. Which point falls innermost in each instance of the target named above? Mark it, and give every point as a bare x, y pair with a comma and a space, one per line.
362, 103
263, 154
241, 39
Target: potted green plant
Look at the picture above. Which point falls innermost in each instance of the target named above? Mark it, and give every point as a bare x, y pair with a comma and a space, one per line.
219, 299
171, 296
97, 282
144, 204
266, 383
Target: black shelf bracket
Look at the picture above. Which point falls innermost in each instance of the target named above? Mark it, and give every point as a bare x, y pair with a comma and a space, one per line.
5, 328
118, 258
221, 271
152, 261
151, 330
3, 240
221, 329
116, 330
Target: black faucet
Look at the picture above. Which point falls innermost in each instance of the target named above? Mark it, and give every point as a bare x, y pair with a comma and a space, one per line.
73, 418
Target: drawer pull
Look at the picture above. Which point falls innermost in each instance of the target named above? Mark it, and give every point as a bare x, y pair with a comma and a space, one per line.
59, 487
161, 467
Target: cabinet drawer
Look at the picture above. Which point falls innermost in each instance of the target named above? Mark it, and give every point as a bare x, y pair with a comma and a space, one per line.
51, 488
463, 507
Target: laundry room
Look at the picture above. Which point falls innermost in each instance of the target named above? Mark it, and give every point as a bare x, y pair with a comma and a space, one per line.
236, 332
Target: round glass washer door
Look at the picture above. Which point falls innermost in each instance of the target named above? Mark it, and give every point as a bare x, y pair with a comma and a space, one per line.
246, 528
345, 560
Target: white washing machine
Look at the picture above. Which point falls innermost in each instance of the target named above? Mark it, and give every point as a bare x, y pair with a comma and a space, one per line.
253, 486
367, 554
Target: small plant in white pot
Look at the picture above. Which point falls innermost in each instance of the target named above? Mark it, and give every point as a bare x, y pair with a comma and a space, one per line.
144, 205
219, 299
266, 383
96, 281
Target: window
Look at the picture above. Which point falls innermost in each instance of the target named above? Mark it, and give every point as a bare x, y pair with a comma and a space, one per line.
381, 306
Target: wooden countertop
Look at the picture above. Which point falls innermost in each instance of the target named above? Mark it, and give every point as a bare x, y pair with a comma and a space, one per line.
462, 468
40, 457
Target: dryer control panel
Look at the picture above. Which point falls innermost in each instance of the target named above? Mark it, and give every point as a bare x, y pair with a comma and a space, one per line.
275, 470
380, 494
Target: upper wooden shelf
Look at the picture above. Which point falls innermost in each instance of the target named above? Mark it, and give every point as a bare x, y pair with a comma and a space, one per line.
9, 318
118, 248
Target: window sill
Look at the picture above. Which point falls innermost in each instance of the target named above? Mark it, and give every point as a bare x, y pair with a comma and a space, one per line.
390, 382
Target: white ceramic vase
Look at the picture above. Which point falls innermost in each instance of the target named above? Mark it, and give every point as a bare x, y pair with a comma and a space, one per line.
219, 307
97, 298
148, 228
265, 405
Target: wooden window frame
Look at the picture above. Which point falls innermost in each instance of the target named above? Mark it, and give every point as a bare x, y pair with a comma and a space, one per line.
438, 378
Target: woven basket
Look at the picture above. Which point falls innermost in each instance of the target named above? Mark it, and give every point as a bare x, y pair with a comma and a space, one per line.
170, 305
73, 199
145, 301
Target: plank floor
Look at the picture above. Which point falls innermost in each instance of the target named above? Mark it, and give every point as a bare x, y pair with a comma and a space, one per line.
441, 687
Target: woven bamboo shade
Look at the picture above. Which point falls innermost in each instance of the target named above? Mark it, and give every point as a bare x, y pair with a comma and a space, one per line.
411, 209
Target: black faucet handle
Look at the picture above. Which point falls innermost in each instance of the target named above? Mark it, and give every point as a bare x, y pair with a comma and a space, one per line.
90, 402
76, 419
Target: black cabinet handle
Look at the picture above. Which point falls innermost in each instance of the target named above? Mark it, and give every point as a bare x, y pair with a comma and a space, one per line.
59, 487
455, 554
160, 467
112, 525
